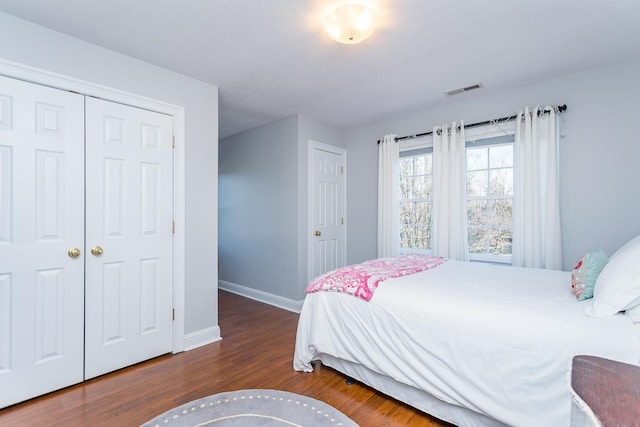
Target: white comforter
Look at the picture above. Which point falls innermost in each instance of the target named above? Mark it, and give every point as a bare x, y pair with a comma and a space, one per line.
496, 340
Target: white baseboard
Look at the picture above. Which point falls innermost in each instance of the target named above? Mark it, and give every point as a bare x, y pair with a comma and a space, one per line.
265, 297
202, 337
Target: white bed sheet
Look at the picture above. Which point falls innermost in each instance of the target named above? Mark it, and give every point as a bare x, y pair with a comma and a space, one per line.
492, 339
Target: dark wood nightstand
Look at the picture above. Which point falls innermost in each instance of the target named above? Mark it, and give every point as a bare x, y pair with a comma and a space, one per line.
609, 389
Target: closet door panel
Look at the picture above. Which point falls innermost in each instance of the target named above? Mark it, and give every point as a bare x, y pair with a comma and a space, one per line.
129, 284
41, 220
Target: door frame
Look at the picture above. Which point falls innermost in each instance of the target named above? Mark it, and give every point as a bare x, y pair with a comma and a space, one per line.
314, 145
57, 81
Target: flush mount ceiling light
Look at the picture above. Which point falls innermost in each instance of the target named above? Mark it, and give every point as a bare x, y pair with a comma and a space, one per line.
351, 22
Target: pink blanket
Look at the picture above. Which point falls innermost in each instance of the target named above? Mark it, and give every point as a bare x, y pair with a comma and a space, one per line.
362, 280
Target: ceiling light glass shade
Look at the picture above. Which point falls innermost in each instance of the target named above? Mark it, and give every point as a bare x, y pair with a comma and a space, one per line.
350, 23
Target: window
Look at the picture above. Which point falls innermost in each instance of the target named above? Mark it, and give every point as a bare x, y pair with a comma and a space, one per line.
489, 164
415, 200
490, 198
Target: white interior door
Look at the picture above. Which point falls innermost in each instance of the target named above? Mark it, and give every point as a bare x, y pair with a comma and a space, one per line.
129, 286
327, 208
41, 220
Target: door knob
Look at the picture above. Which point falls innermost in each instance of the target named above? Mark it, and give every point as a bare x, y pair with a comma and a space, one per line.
74, 253
317, 233
96, 250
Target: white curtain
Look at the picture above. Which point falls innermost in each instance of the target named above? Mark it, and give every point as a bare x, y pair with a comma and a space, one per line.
449, 215
388, 197
536, 212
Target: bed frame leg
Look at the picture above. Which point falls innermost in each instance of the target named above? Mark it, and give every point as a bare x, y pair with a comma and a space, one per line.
349, 381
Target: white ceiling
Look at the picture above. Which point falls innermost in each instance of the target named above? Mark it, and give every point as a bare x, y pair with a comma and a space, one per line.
271, 59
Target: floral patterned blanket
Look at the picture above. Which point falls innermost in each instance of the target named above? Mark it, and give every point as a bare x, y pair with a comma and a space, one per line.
362, 280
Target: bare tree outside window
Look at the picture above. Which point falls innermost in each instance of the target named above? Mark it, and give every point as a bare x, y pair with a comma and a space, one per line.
490, 199
415, 202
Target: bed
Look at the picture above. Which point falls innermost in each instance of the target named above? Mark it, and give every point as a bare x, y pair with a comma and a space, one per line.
470, 343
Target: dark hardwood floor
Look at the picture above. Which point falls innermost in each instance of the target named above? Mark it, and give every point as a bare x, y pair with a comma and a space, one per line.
256, 352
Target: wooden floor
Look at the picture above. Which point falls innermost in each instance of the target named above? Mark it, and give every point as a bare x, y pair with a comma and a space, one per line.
256, 352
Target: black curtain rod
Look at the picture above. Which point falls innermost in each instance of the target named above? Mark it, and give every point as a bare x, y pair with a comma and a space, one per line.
560, 109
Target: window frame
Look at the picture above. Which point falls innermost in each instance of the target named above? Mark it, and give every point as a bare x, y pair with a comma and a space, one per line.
478, 133
507, 138
416, 150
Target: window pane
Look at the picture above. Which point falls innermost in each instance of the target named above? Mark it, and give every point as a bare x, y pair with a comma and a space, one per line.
501, 182
501, 241
477, 183
406, 188
423, 213
406, 213
428, 165
477, 212
419, 187
422, 188
429, 184
406, 166
423, 237
501, 156
478, 240
477, 158
423, 165
502, 213
406, 236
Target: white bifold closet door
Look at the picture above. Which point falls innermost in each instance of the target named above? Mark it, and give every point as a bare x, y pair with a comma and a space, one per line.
129, 291
41, 221
86, 273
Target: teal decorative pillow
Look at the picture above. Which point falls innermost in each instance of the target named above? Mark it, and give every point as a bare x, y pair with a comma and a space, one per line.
585, 273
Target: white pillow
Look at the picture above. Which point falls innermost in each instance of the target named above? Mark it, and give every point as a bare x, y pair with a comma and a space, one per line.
618, 285
633, 243
634, 313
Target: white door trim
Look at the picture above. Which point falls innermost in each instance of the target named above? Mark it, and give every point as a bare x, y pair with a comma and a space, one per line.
314, 145
43, 77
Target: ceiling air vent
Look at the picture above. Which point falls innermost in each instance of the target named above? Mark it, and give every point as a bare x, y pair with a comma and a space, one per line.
464, 89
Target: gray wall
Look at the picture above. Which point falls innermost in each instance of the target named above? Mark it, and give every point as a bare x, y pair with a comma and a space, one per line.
258, 203
599, 156
32, 45
263, 205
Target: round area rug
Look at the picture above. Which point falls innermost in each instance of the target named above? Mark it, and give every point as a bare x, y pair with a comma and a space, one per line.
252, 408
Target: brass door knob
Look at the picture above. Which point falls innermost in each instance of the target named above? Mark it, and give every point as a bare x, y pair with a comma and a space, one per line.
74, 253
317, 233
96, 250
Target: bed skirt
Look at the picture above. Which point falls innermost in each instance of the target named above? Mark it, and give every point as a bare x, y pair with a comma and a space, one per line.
410, 395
